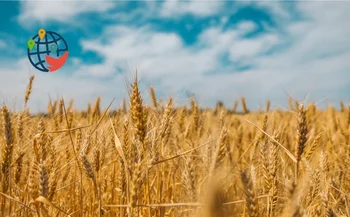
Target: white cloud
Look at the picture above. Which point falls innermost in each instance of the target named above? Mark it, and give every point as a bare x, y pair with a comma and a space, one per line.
174, 8
247, 26
2, 44
250, 48
62, 11
223, 20
156, 54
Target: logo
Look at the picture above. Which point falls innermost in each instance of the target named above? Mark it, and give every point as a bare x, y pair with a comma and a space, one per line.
47, 51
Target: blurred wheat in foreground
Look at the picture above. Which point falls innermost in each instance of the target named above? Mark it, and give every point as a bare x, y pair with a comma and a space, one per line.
163, 160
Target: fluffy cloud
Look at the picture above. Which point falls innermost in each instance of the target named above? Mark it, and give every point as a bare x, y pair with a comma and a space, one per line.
177, 8
250, 48
245, 26
61, 11
2, 44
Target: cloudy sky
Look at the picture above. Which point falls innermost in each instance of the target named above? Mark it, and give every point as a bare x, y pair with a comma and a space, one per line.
217, 50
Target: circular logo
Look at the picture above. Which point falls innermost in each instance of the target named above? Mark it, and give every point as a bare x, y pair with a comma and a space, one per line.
47, 51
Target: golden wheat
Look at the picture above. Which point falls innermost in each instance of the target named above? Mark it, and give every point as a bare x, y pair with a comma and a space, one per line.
174, 161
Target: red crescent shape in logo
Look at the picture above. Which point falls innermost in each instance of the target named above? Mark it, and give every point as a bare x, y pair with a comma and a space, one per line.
56, 63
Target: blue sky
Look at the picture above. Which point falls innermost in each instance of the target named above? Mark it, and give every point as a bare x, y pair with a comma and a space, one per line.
217, 50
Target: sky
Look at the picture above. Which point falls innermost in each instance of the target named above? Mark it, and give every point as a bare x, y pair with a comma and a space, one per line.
216, 50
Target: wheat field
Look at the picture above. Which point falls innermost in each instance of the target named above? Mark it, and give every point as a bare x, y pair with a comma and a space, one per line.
162, 160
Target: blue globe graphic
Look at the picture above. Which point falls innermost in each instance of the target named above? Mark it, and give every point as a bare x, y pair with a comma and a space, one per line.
42, 47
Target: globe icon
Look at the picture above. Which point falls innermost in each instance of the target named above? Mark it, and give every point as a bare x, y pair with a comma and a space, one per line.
51, 44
